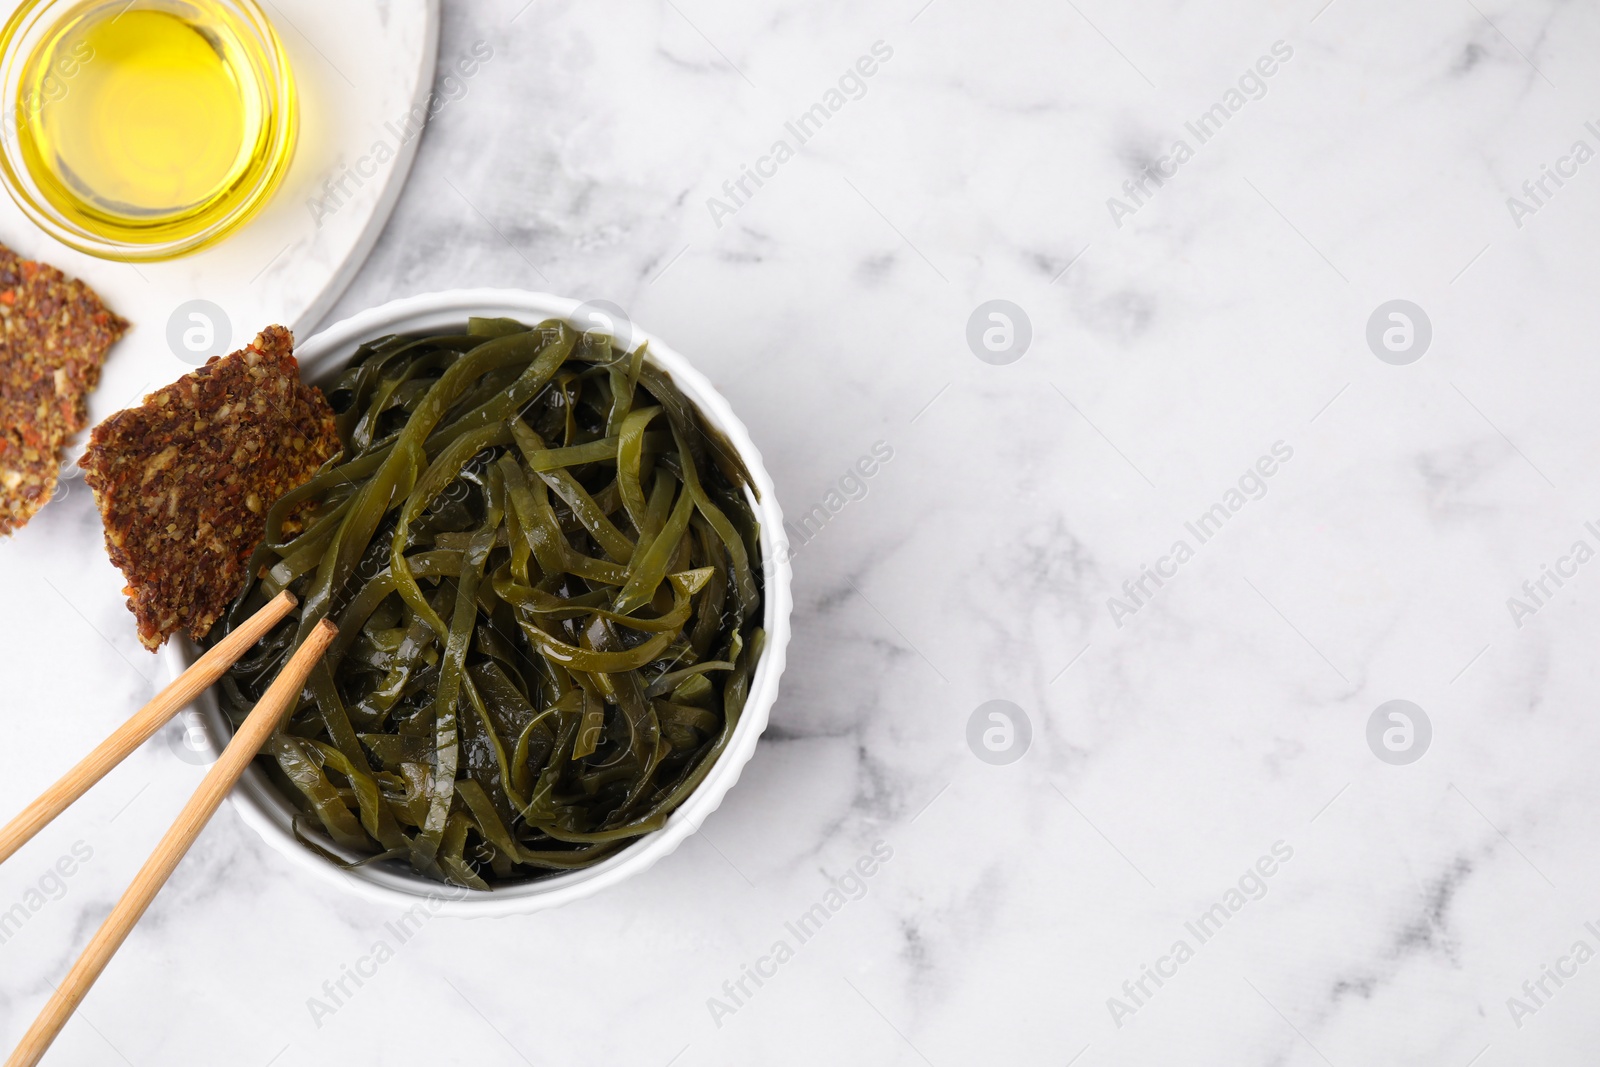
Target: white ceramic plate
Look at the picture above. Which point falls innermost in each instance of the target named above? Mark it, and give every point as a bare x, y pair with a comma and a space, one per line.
366, 76
266, 811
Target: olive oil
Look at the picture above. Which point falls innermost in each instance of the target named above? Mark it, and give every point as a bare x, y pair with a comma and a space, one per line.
148, 122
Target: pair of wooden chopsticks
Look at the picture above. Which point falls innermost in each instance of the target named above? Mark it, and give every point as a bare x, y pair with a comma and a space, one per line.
258, 726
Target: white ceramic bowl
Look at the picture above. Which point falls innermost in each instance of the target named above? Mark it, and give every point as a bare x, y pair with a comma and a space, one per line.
270, 814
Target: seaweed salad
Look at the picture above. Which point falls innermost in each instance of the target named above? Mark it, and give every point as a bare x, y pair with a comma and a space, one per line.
547, 582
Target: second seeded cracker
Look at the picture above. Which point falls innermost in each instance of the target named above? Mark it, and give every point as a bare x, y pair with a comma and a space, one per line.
185, 480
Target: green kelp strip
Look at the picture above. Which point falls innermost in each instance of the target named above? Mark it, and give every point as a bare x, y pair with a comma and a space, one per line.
547, 584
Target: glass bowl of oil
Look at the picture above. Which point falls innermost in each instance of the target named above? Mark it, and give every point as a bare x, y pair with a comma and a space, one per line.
140, 130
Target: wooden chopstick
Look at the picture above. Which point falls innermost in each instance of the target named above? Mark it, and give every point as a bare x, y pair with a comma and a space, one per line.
281, 696
137, 730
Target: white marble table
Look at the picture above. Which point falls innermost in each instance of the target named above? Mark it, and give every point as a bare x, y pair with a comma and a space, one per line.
1199, 769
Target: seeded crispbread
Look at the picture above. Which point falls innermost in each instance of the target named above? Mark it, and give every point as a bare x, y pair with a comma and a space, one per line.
184, 481
54, 335
28, 478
